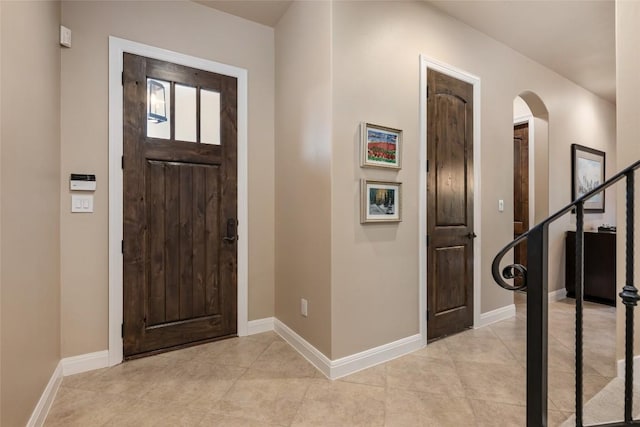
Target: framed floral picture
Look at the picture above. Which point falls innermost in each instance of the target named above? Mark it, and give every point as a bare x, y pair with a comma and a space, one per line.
380, 146
381, 201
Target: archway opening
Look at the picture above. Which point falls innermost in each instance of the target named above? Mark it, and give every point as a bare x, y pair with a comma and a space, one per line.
529, 109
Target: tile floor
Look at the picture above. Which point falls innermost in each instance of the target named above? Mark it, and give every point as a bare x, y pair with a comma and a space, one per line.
475, 378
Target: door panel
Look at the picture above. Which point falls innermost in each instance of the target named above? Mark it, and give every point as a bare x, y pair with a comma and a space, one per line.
449, 262
451, 182
180, 198
449, 205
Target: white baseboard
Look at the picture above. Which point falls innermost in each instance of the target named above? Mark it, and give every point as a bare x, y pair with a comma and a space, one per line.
312, 354
375, 356
85, 362
496, 315
344, 366
260, 325
41, 410
636, 369
557, 295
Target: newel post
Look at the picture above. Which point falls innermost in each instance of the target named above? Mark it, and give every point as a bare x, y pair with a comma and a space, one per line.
537, 326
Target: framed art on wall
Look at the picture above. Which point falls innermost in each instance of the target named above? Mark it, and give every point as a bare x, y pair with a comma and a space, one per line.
380, 146
380, 201
587, 172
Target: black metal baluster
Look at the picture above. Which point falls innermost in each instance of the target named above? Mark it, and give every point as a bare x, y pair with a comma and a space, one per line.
535, 280
537, 326
579, 288
630, 298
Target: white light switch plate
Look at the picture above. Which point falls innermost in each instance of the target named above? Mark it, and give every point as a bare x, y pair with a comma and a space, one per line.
82, 203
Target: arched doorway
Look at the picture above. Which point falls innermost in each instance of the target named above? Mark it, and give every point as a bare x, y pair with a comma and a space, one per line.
530, 167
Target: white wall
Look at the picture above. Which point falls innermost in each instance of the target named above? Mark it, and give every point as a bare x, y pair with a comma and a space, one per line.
303, 171
628, 147
30, 173
194, 30
376, 47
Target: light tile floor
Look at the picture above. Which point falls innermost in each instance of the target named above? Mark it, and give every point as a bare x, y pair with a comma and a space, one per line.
475, 378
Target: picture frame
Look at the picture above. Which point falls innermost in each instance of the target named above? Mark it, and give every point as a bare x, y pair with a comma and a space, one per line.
587, 172
380, 146
381, 201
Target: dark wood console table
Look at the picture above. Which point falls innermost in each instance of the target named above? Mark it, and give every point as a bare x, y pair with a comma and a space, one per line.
599, 266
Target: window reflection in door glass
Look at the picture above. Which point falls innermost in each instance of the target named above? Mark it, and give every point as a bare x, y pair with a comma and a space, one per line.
158, 109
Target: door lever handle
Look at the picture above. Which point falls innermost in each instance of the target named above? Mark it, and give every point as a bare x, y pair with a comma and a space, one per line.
232, 231
471, 235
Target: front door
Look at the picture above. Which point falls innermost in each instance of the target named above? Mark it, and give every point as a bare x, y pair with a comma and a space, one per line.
520, 192
180, 206
449, 205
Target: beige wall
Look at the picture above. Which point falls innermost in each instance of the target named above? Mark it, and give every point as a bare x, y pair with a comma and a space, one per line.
30, 172
303, 171
184, 27
376, 46
628, 130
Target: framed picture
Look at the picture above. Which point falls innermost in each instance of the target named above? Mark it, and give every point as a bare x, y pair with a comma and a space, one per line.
587, 172
380, 146
381, 201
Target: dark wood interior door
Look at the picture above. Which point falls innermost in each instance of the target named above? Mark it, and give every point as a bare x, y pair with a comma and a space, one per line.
520, 191
180, 206
449, 205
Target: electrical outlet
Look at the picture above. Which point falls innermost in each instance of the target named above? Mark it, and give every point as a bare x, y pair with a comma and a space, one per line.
303, 307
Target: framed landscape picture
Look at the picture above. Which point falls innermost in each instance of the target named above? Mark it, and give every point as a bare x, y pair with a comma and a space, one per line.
380, 146
381, 201
587, 172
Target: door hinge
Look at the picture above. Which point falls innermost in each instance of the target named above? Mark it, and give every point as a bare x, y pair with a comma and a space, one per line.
122, 246
427, 315
427, 240
122, 330
122, 81
427, 165
122, 162
427, 91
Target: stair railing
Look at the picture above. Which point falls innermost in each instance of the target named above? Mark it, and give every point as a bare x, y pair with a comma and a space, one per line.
535, 280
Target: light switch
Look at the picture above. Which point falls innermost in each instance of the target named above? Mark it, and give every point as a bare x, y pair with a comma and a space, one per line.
82, 203
501, 205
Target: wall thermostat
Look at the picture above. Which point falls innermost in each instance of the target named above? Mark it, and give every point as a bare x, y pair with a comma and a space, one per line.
82, 182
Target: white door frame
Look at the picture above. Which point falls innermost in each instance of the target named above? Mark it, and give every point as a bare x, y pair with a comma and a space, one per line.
117, 47
429, 63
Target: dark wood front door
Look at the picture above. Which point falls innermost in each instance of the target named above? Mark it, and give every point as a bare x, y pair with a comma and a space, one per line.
449, 205
520, 191
180, 206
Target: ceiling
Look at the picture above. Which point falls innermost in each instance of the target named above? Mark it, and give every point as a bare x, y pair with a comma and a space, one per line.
575, 38
266, 12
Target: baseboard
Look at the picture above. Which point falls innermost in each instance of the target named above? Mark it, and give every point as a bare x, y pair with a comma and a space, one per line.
260, 325
344, 366
557, 295
309, 352
85, 362
636, 369
41, 410
375, 356
496, 315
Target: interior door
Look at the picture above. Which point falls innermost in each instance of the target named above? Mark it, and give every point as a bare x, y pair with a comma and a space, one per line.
520, 191
180, 206
449, 205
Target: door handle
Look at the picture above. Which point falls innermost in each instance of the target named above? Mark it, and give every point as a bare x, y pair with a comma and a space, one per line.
232, 231
471, 235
